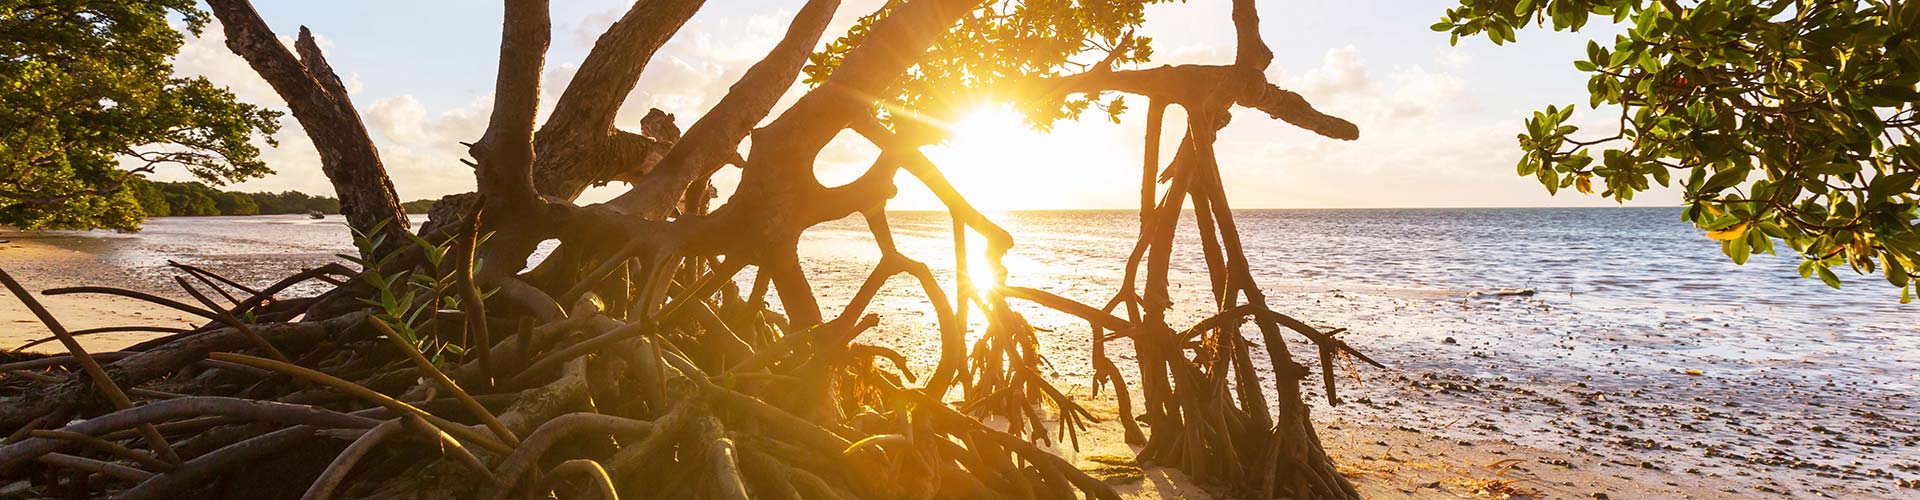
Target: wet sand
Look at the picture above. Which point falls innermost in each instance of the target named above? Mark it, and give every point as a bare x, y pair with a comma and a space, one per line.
1526, 396
42, 262
1398, 463
1703, 402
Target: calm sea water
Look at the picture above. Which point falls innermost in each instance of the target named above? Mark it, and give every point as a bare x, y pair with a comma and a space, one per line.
1629, 302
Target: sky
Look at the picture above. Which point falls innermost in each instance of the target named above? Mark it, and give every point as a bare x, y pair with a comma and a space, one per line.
1437, 122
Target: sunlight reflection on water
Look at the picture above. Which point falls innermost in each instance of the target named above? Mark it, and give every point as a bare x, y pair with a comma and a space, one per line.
1628, 301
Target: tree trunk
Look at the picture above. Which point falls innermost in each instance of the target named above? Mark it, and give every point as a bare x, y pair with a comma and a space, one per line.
784, 405
319, 101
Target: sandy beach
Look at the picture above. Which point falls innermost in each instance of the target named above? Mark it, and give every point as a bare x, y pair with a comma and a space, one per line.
1427, 427
1395, 463
1384, 462
40, 262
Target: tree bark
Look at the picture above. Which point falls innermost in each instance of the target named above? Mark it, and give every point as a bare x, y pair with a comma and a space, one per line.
579, 145
319, 101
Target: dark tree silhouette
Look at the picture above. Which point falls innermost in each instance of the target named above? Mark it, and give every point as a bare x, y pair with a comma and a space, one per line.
628, 362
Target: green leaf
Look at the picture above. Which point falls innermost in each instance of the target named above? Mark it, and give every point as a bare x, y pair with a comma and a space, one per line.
1724, 179
1896, 273
1827, 276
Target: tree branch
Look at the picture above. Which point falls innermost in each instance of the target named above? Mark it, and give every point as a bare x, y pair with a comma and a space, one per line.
1189, 85
579, 146
593, 98
1250, 51
505, 151
712, 141
314, 93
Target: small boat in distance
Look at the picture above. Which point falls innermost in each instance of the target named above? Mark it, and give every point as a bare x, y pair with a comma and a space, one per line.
315, 215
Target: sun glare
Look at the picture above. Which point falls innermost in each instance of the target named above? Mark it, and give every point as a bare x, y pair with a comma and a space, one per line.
989, 125
990, 154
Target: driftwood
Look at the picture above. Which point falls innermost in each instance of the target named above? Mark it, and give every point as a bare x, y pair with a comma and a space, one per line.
630, 362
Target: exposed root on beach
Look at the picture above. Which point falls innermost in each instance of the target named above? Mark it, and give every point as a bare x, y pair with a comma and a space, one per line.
631, 362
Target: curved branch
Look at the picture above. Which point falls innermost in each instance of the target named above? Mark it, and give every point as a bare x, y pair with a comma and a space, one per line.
314, 93
97, 374
196, 406
1250, 50
91, 465
595, 475
366, 394
784, 150
1198, 85
104, 329
336, 471
144, 366
558, 428
593, 98
711, 141
110, 447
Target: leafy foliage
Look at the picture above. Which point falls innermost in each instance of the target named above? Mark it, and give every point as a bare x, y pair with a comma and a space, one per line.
157, 199
294, 202
396, 300
1006, 41
418, 206
1787, 121
88, 99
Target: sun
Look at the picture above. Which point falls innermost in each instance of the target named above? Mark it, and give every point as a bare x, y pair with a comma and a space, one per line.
991, 156
999, 162
990, 125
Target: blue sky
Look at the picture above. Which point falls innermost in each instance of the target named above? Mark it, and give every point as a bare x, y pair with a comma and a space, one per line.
1437, 122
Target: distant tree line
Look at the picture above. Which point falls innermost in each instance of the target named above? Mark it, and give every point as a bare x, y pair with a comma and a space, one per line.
160, 199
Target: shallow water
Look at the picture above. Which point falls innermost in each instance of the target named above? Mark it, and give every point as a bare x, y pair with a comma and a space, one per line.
1800, 388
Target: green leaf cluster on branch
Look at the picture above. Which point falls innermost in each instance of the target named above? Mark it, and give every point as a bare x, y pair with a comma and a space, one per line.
1004, 42
1789, 121
88, 99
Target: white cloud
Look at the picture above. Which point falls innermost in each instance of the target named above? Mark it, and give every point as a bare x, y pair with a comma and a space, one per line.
1340, 73
1423, 142
420, 149
1452, 57
420, 145
207, 55
295, 162
399, 118
422, 152
1426, 137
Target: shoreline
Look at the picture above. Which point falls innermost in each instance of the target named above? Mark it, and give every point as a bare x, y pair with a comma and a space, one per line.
1426, 428
1385, 462
1382, 461
41, 262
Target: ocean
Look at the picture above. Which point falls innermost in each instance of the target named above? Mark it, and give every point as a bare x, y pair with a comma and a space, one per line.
1642, 343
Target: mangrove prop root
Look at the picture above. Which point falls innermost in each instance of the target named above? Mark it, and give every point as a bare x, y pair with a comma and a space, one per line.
99, 375
682, 385
336, 472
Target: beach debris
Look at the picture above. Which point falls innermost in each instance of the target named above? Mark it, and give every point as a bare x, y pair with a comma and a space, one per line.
1114, 469
1491, 489
1504, 292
